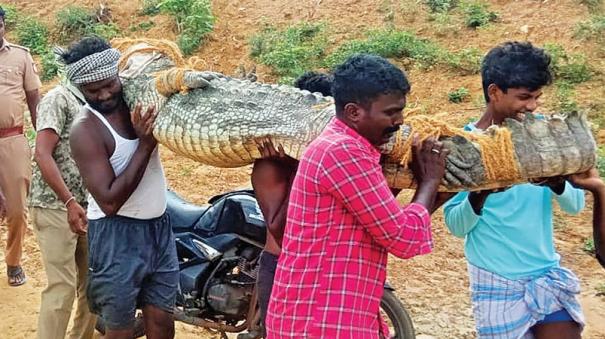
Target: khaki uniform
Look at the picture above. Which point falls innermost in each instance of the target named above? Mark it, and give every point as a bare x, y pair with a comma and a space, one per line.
64, 253
17, 75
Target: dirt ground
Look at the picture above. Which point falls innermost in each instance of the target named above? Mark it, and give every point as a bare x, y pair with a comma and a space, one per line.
433, 287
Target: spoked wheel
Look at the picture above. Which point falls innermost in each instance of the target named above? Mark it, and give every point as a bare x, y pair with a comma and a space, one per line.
397, 318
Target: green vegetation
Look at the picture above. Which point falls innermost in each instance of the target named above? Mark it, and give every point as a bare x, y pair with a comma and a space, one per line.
50, 67
593, 5
589, 245
571, 68
593, 29
142, 26
11, 15
564, 93
32, 34
402, 44
150, 7
74, 21
194, 20
459, 95
290, 52
478, 14
441, 5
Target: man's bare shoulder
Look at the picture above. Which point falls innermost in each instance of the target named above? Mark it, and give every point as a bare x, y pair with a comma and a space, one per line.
84, 126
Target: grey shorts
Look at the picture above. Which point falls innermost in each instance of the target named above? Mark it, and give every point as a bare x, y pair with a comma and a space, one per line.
131, 263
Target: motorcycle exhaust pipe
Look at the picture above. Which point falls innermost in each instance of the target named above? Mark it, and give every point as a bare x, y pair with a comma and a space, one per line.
182, 317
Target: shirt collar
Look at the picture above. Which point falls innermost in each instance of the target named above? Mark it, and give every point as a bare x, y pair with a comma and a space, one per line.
339, 126
5, 46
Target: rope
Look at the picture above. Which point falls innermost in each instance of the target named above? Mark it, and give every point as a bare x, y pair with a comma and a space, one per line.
171, 81
497, 150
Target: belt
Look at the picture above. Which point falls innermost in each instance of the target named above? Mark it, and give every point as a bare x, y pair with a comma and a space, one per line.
10, 132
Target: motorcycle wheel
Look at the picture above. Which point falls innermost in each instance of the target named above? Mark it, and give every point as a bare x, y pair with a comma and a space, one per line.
398, 319
139, 326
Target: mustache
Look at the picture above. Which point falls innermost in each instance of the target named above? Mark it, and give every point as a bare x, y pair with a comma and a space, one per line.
390, 130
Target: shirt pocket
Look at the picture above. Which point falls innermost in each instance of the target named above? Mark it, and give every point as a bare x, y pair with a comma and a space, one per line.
11, 75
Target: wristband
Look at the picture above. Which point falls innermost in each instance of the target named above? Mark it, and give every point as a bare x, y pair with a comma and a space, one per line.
69, 200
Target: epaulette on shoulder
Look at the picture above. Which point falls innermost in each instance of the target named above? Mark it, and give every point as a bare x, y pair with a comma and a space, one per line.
19, 47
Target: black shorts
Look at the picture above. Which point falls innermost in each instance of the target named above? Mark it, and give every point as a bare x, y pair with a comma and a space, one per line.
131, 263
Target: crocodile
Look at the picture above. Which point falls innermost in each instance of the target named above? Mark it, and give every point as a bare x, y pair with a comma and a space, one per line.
216, 120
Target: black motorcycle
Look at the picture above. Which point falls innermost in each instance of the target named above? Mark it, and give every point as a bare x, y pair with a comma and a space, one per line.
218, 246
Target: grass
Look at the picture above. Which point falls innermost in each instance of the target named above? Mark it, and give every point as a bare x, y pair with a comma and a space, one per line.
12, 15
478, 14
571, 68
291, 51
593, 29
589, 246
50, 67
403, 44
194, 20
74, 22
593, 5
437, 6
459, 95
32, 34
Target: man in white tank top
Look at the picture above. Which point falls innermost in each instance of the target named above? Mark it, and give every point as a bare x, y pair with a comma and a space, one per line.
132, 254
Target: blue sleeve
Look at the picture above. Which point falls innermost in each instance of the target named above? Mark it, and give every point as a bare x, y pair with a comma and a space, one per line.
571, 200
459, 215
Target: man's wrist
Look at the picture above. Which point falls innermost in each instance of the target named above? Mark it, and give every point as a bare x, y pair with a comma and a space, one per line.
69, 201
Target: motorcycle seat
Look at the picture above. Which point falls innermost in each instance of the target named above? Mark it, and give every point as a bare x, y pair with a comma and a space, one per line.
182, 213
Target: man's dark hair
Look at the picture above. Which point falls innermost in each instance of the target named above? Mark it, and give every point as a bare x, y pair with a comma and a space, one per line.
2, 13
363, 77
315, 82
84, 48
515, 65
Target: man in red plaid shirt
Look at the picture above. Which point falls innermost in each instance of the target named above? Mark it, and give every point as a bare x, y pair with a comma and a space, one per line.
342, 219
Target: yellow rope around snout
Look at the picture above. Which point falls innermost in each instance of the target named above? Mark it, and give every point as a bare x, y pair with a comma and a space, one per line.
168, 81
497, 150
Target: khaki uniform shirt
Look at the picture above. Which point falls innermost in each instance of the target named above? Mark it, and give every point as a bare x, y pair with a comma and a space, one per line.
18, 74
57, 111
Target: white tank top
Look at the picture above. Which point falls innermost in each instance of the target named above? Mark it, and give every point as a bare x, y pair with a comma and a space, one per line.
149, 198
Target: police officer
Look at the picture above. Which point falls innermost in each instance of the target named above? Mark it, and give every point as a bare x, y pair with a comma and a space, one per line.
19, 82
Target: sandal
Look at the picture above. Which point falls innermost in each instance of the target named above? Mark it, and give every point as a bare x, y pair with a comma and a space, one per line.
16, 275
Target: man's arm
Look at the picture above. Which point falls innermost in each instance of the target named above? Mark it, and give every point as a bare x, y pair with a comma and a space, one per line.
33, 98
108, 190
271, 183
46, 142
591, 181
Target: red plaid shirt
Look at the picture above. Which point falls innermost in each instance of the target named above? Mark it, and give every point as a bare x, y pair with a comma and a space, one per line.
342, 222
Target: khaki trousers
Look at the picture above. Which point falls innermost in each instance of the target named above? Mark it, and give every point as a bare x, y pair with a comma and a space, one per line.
15, 174
65, 258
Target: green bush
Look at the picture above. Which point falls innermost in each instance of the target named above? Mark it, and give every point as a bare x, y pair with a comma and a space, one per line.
150, 7
390, 44
468, 60
592, 4
571, 68
459, 95
194, 20
441, 5
402, 44
477, 14
11, 16
593, 29
106, 31
74, 22
291, 51
32, 34
564, 94
50, 67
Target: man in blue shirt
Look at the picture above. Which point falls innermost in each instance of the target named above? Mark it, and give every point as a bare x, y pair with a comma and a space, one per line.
518, 288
